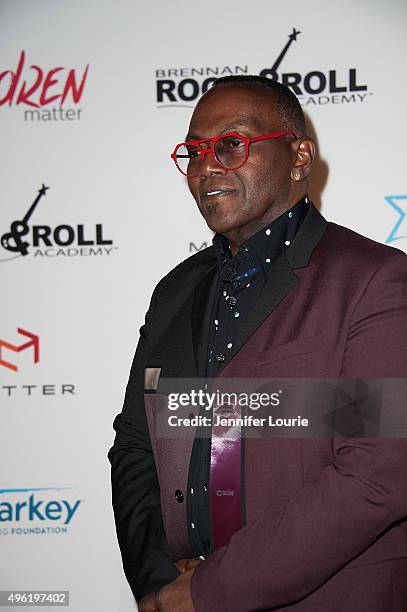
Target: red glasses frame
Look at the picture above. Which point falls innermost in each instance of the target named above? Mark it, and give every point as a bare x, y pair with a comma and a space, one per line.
214, 140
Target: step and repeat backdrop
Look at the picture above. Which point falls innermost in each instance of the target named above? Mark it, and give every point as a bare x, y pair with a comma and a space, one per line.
94, 95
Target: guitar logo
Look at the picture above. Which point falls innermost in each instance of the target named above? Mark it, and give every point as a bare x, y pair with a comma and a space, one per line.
272, 72
13, 240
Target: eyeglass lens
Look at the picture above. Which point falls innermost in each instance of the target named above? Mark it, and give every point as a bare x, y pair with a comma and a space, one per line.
230, 152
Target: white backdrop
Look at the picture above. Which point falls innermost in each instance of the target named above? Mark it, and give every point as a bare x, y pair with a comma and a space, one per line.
104, 154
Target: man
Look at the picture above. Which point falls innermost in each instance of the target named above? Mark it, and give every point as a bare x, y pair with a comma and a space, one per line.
321, 524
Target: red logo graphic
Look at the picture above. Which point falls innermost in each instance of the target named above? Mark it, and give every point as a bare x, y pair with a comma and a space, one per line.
44, 87
34, 342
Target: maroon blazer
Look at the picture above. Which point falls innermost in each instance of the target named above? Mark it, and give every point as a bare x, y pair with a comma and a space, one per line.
326, 518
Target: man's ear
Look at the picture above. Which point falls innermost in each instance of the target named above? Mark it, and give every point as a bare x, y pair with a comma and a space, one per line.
304, 158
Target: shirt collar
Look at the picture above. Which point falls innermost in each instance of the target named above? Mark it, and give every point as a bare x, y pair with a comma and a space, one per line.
263, 248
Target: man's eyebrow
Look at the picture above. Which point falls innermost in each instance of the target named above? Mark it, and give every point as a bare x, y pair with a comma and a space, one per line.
230, 128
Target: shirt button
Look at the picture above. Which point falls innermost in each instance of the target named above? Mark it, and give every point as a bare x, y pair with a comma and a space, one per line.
205, 487
232, 301
220, 357
179, 496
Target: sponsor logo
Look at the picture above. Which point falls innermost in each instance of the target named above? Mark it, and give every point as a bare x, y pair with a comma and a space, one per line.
37, 511
30, 342
181, 86
177, 87
33, 342
194, 248
46, 241
43, 94
37, 390
398, 231
318, 87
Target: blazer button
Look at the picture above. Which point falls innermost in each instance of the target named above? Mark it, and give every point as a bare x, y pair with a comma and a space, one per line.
179, 496
220, 357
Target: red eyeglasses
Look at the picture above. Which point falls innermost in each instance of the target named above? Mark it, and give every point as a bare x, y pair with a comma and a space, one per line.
230, 150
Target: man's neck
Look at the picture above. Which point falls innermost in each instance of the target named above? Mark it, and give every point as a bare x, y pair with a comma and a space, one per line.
239, 235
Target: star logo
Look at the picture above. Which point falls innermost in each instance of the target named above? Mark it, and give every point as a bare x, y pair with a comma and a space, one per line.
399, 203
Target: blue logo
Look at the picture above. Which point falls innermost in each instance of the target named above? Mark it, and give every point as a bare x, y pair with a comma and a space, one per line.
30, 508
397, 202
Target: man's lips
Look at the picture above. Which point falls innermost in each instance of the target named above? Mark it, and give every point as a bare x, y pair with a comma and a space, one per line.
215, 192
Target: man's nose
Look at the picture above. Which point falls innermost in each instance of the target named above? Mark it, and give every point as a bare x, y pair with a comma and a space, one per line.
209, 165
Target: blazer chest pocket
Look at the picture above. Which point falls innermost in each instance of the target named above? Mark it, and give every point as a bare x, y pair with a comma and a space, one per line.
151, 378
299, 358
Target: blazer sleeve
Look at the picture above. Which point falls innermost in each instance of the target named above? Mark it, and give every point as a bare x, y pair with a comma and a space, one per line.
135, 489
357, 497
